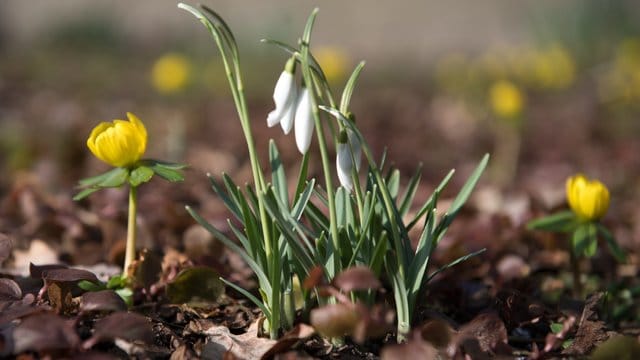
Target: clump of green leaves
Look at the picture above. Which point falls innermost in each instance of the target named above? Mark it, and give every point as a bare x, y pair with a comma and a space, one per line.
364, 222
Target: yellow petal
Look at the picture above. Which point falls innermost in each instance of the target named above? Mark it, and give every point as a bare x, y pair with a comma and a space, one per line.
120, 143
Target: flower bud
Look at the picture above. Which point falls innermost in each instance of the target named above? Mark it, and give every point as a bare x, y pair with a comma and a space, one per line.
119, 143
304, 124
589, 199
348, 154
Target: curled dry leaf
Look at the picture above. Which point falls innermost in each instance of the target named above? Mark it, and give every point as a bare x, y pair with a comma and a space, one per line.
334, 320
437, 332
104, 300
68, 275
36, 271
315, 278
121, 325
247, 346
288, 340
374, 322
487, 329
9, 290
5, 247
356, 278
43, 332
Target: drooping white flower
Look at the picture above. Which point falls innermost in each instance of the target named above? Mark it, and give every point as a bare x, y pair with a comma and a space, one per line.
284, 97
303, 123
348, 154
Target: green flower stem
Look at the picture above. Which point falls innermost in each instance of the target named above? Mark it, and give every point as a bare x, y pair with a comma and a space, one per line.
326, 168
130, 251
270, 247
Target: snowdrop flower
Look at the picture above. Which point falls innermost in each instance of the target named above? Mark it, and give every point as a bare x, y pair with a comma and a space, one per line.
348, 154
304, 124
284, 97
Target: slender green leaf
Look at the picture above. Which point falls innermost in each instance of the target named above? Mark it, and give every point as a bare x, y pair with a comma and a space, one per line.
286, 224
348, 88
410, 192
467, 188
403, 311
278, 176
229, 202
462, 197
223, 28
420, 261
432, 201
393, 183
262, 278
302, 176
455, 262
250, 296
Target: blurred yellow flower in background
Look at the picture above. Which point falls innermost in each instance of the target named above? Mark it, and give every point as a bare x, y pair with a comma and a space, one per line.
621, 80
589, 199
170, 73
119, 143
506, 99
554, 68
334, 62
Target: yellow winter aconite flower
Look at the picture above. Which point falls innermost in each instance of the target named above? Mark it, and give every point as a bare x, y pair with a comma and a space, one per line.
506, 99
170, 73
119, 143
589, 199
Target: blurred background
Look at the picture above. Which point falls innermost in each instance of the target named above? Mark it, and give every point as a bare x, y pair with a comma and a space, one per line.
548, 88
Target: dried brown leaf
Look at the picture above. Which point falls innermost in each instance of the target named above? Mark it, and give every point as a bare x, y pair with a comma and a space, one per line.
315, 278
9, 290
487, 329
68, 275
42, 332
334, 320
121, 325
288, 340
5, 247
104, 300
356, 278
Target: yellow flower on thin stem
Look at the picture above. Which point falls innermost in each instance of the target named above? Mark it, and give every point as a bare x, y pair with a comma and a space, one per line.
589, 199
119, 143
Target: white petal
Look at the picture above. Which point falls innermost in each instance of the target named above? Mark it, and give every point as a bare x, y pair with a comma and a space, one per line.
343, 166
303, 123
286, 121
273, 118
284, 95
